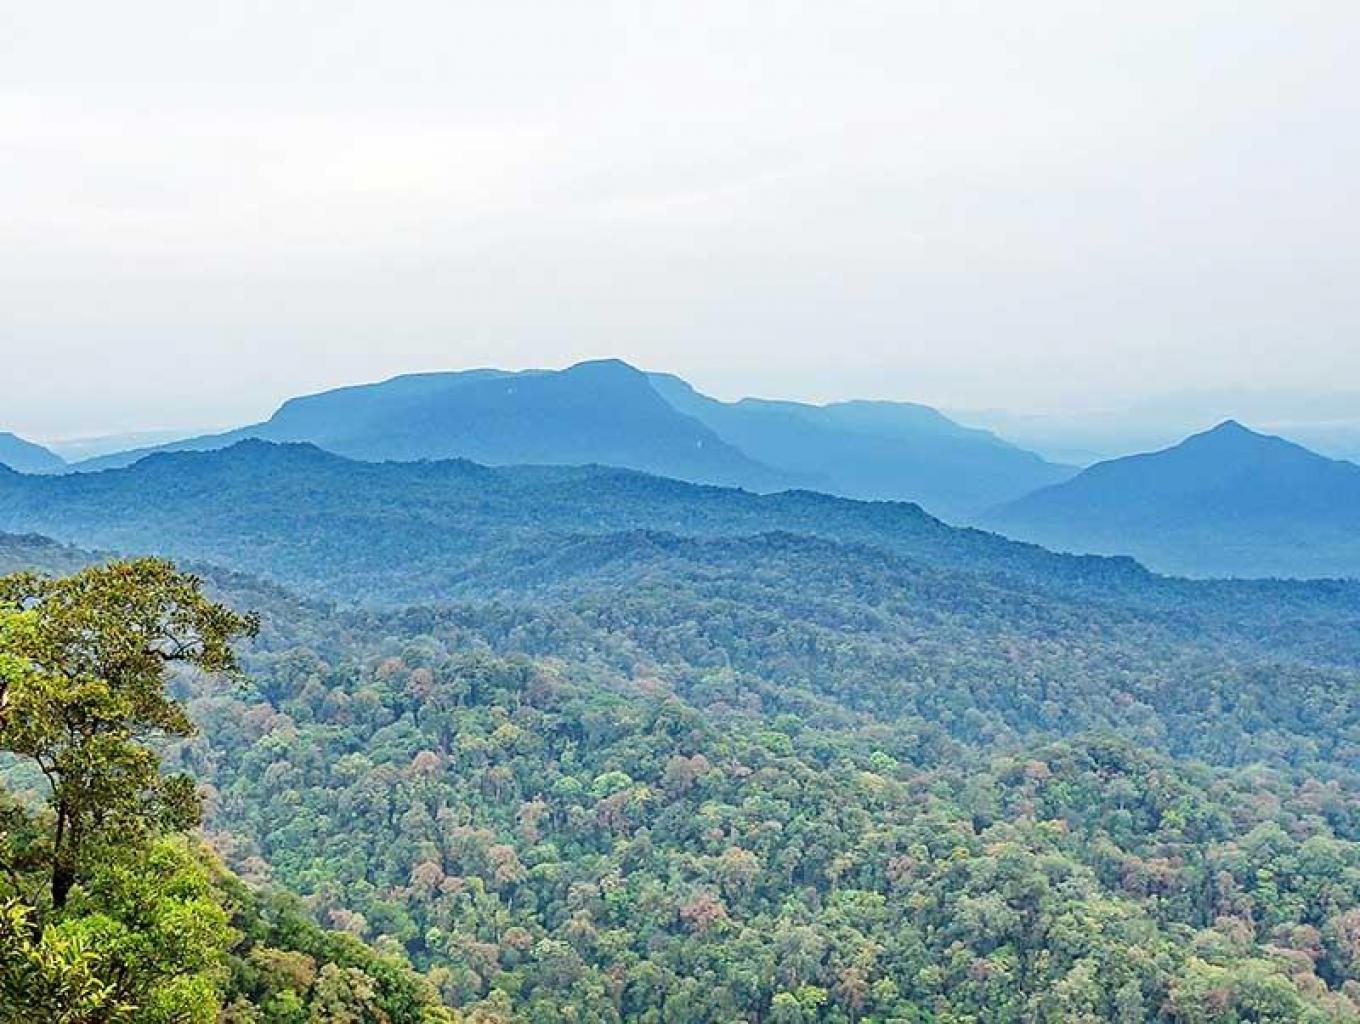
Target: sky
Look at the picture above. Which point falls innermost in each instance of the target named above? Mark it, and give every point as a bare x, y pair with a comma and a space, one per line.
208, 207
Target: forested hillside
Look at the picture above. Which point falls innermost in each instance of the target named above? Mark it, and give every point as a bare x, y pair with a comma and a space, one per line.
862, 768
394, 532
386, 639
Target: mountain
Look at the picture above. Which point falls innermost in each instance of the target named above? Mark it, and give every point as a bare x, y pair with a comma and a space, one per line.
874, 450
608, 413
603, 412
27, 457
1328, 422
1226, 502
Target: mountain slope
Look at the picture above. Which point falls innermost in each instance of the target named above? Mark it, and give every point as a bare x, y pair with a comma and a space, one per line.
1229, 501
601, 412
27, 457
671, 752
874, 450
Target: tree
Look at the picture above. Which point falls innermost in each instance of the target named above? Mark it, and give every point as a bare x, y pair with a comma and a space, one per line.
84, 661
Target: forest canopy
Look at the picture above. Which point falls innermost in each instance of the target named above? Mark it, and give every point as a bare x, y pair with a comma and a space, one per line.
680, 803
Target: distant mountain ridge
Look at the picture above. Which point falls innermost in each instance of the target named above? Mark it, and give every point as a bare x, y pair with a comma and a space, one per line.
874, 450
609, 413
597, 412
1228, 501
27, 457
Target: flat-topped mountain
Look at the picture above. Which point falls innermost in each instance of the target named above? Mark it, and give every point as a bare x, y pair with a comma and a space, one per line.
609, 413
1229, 501
602, 412
27, 457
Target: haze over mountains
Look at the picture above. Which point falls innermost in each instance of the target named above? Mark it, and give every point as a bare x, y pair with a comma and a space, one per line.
1328, 422
602, 412
1229, 501
339, 525
609, 413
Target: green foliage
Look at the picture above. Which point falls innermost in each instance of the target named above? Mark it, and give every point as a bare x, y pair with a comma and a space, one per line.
48, 975
106, 913
595, 835
142, 940
83, 661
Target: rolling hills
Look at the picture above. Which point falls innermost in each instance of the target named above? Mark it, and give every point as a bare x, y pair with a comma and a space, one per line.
417, 531
390, 534
583, 742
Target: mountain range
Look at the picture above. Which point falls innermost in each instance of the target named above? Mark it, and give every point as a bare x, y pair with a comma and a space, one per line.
379, 534
1225, 502
375, 531
609, 413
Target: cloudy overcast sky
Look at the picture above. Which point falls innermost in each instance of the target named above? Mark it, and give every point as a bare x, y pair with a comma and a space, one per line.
206, 207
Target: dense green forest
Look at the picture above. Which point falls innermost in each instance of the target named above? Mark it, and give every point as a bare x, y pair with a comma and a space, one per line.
583, 744
110, 910
774, 777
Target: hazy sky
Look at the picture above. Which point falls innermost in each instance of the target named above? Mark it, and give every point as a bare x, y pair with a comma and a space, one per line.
207, 207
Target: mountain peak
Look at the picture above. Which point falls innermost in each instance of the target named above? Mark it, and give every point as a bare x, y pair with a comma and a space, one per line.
1234, 430
1229, 431
604, 369
1228, 501
1233, 439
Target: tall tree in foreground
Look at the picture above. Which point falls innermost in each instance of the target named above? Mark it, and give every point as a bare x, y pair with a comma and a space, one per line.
104, 914
82, 693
